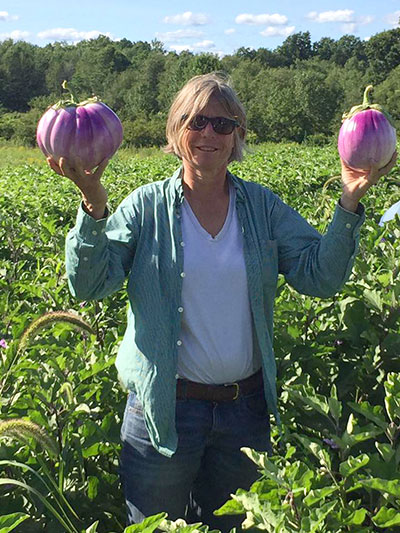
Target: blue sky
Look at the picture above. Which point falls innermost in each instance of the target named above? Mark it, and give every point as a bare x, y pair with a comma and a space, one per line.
208, 26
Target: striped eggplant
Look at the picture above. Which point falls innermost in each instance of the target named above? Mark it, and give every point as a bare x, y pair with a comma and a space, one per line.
89, 129
367, 135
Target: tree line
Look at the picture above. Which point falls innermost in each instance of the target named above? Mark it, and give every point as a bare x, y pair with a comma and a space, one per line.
296, 92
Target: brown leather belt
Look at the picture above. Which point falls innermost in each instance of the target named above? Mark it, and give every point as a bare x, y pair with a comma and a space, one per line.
186, 389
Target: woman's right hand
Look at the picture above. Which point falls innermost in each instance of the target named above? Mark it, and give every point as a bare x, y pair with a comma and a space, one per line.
94, 194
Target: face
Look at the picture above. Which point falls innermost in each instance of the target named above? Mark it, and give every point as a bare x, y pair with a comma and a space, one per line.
206, 150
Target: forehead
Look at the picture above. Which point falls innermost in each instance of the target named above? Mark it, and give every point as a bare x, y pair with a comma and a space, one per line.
214, 108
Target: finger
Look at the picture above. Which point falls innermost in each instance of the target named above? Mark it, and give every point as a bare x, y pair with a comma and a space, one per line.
78, 165
68, 169
100, 169
387, 168
53, 165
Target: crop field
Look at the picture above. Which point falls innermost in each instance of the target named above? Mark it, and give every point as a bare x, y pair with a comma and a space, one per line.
336, 459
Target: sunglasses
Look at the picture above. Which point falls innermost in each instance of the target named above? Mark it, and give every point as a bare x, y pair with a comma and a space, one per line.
221, 125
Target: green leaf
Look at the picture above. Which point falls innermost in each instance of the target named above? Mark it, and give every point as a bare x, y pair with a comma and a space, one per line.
93, 485
92, 528
230, 507
7, 481
355, 518
374, 414
316, 402
9, 522
385, 451
312, 523
317, 495
353, 464
316, 449
383, 485
335, 407
148, 525
386, 517
374, 299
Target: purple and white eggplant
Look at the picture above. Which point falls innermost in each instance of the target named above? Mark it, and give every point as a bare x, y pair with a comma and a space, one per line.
367, 135
89, 129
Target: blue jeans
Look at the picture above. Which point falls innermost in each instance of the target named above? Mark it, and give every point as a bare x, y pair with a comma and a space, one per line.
207, 467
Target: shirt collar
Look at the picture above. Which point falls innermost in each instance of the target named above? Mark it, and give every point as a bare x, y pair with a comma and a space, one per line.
178, 186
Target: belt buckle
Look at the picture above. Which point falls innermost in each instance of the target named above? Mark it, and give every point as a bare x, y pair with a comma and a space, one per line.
236, 385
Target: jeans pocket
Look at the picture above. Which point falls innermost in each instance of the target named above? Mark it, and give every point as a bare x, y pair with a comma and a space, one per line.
133, 425
133, 404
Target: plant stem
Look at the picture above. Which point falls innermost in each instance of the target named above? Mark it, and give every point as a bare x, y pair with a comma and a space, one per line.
366, 99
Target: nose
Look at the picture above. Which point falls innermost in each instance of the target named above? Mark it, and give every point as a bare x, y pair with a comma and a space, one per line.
208, 129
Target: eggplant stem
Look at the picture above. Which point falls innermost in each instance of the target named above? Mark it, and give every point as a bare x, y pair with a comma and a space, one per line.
366, 99
73, 100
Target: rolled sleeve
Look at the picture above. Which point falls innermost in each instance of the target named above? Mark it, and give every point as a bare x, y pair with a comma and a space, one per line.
98, 254
316, 264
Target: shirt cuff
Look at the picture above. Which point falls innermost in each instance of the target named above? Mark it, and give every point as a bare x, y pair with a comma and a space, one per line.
348, 222
88, 228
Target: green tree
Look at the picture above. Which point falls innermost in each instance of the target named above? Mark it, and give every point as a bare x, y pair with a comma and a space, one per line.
387, 94
296, 46
347, 47
22, 74
383, 53
324, 48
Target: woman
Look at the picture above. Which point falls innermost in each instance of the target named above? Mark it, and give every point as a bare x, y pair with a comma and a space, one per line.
202, 251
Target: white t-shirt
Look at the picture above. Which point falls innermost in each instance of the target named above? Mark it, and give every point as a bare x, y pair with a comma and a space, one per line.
216, 330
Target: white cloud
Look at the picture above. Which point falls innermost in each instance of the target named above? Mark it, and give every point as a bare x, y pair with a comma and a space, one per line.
347, 17
246, 18
393, 18
204, 44
229, 31
274, 31
350, 28
181, 47
70, 34
170, 36
188, 19
6, 17
365, 19
340, 15
15, 35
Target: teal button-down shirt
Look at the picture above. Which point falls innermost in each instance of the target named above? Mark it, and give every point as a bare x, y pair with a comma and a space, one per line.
142, 240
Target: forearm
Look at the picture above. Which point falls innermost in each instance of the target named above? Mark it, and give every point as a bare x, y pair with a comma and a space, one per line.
348, 203
96, 211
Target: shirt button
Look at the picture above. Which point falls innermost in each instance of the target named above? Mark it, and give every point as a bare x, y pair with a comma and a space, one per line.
183, 274
182, 243
179, 343
180, 309
103, 230
94, 232
86, 258
348, 225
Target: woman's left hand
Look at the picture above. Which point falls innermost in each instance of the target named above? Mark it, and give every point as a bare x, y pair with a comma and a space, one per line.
355, 183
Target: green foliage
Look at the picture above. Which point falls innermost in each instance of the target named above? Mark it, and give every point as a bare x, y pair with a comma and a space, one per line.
293, 93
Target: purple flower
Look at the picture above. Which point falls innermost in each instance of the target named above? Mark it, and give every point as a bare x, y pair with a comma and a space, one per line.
331, 443
3, 343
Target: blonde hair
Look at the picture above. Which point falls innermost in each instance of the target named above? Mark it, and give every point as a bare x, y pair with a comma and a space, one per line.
192, 98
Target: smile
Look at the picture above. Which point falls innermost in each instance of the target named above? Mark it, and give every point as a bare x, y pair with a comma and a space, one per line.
207, 149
